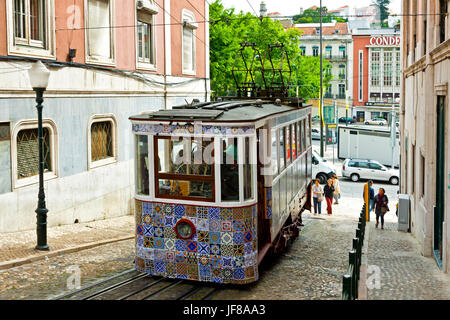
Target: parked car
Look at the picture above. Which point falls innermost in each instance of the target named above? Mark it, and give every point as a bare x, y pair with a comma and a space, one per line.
357, 169
315, 134
321, 169
345, 120
315, 118
377, 121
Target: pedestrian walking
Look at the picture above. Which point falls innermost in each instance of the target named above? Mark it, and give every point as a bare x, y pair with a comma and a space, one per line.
337, 189
329, 192
381, 206
317, 197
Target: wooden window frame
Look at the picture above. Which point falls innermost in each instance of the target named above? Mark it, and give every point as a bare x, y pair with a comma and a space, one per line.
150, 20
99, 163
183, 177
30, 48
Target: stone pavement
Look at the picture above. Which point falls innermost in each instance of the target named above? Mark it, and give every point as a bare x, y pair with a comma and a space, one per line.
405, 274
18, 248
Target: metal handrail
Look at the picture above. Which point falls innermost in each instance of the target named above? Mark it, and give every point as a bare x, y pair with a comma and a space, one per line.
350, 281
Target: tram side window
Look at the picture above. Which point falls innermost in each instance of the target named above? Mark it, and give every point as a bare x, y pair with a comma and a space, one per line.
282, 149
293, 139
142, 176
229, 169
302, 125
308, 131
282, 153
274, 153
288, 145
248, 170
184, 168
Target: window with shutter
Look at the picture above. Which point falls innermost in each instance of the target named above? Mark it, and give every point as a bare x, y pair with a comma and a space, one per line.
100, 32
188, 41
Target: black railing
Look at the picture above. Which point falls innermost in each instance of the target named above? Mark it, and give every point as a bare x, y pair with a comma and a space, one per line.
350, 280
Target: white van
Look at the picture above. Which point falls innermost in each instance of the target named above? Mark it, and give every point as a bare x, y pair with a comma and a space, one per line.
321, 169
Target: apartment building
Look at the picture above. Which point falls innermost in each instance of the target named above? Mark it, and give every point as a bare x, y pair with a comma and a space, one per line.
376, 65
108, 60
338, 50
425, 118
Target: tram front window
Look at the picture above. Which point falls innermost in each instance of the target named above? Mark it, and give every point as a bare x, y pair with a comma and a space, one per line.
229, 170
142, 182
184, 168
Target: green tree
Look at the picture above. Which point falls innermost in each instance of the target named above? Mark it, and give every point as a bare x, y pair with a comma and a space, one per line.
383, 7
313, 16
229, 29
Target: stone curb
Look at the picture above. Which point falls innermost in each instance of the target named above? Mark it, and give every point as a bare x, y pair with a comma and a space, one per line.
362, 285
50, 254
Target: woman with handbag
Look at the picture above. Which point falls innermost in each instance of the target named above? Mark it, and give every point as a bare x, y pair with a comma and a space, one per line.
329, 192
317, 197
381, 206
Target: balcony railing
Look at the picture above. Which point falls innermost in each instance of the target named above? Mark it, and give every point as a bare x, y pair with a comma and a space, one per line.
335, 57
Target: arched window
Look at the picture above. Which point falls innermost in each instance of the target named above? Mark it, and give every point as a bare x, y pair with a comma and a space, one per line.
25, 152
102, 141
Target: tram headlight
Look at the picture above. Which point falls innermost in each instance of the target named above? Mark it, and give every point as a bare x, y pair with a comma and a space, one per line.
184, 229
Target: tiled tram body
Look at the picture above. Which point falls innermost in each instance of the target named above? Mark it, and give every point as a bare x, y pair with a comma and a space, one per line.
218, 185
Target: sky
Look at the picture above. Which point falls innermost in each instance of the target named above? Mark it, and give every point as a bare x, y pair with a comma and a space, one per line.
290, 7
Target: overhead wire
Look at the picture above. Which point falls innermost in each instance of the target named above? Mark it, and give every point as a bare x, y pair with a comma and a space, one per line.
252, 7
252, 17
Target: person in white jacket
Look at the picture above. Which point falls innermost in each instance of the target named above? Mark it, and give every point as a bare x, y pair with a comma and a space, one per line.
337, 189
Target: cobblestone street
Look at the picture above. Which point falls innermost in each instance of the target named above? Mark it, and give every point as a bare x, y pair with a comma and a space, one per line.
311, 269
405, 273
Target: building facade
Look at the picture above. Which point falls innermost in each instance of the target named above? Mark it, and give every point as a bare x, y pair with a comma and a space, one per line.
376, 70
338, 50
108, 60
425, 118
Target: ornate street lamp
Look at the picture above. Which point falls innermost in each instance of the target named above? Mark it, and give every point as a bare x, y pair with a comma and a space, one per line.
39, 76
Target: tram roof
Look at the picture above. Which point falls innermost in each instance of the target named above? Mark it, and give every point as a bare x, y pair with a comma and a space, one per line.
224, 111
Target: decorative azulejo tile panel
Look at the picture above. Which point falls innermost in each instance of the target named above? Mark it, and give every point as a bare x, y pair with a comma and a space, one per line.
189, 130
222, 250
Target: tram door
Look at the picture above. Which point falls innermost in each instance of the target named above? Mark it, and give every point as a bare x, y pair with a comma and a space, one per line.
263, 223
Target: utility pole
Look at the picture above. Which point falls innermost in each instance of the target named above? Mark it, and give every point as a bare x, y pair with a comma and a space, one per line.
321, 86
346, 108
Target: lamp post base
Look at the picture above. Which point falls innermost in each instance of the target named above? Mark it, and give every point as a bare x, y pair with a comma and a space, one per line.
43, 248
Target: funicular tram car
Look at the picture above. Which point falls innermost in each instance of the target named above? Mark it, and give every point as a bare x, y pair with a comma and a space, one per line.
218, 186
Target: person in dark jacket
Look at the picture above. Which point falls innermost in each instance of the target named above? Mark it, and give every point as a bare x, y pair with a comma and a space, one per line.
329, 192
371, 195
381, 206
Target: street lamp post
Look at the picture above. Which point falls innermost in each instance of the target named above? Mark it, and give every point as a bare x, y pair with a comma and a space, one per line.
39, 76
